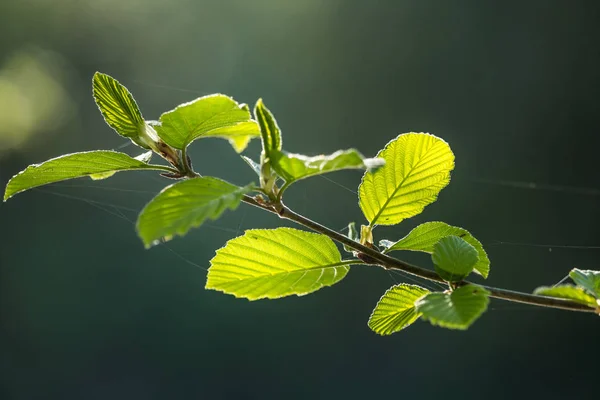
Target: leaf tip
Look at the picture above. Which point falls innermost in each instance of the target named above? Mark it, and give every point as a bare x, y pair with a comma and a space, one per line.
9, 191
96, 81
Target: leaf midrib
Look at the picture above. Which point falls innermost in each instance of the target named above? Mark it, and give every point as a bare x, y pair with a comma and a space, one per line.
372, 224
342, 263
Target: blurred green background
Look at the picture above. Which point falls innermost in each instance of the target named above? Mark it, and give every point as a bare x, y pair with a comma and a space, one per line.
87, 313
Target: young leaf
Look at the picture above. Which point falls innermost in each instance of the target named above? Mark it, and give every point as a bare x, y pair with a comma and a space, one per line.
456, 310
417, 166
273, 263
587, 279
453, 258
118, 107
269, 130
396, 309
210, 116
352, 235
425, 236
97, 164
293, 167
353, 232
569, 292
185, 205
366, 235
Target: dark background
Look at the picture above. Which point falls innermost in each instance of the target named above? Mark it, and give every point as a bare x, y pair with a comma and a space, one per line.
87, 313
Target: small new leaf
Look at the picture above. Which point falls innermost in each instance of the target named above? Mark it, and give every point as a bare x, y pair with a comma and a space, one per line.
417, 166
216, 115
353, 232
185, 205
587, 279
273, 263
293, 167
568, 292
456, 310
118, 107
352, 235
98, 164
425, 236
269, 130
396, 309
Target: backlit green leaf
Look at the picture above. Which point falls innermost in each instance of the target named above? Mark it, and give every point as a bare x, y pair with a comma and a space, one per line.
210, 116
396, 309
456, 310
569, 292
424, 236
185, 205
417, 166
98, 164
145, 158
293, 167
273, 263
118, 107
587, 279
453, 258
270, 132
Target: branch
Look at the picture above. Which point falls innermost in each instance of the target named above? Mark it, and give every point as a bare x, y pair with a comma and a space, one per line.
387, 262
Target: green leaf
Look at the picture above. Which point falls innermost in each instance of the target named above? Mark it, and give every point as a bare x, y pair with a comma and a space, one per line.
453, 258
569, 292
269, 130
417, 166
145, 158
185, 205
98, 164
456, 310
293, 167
210, 116
396, 309
425, 236
587, 279
273, 263
118, 107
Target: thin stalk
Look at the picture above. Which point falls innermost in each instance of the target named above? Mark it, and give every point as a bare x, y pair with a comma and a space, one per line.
164, 168
282, 189
185, 162
371, 256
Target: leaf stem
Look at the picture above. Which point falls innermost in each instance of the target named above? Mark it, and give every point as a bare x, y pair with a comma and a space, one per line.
164, 168
282, 189
185, 163
373, 256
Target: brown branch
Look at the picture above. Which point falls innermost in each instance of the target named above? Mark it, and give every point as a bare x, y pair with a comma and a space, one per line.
375, 257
